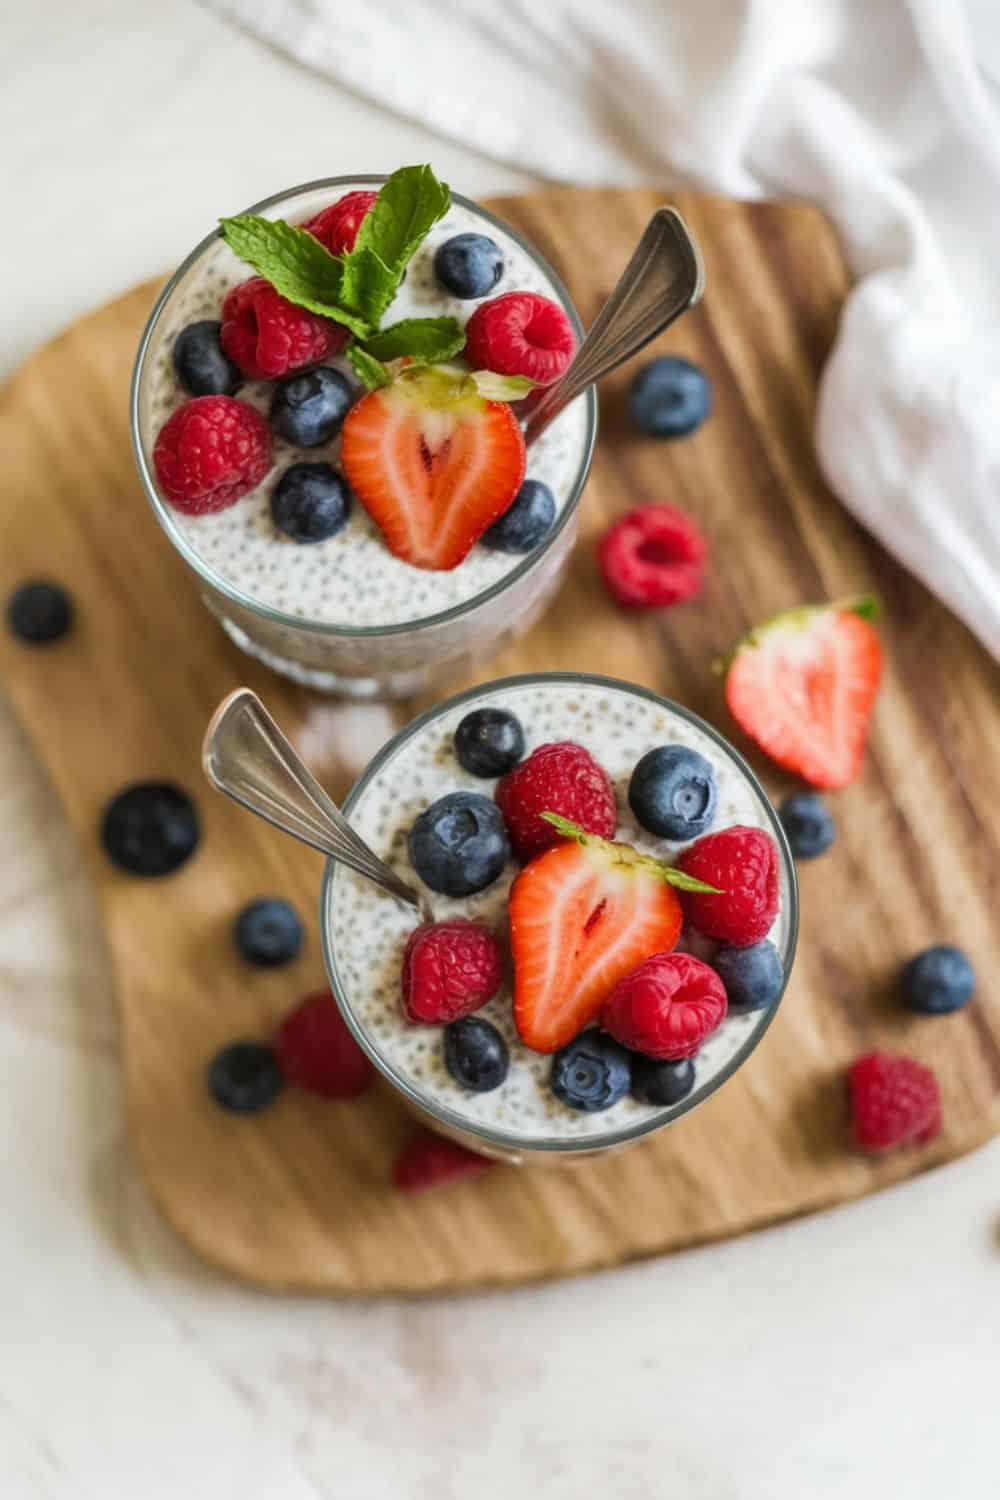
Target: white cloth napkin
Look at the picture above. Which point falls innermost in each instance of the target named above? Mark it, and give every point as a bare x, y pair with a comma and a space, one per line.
886, 112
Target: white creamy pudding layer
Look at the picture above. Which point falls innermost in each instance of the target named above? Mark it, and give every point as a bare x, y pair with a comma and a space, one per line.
368, 930
353, 579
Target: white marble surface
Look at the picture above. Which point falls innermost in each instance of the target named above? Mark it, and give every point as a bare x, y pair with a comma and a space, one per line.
852, 1354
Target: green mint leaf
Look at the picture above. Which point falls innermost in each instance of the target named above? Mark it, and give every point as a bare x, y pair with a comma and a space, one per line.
409, 204
367, 287
493, 387
370, 371
428, 340
297, 266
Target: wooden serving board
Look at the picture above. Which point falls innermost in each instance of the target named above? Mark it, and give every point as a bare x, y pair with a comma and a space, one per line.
298, 1197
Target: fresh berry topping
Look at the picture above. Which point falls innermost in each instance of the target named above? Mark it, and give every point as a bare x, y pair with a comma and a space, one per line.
803, 686
666, 1007
672, 792
268, 933
582, 916
316, 1050
742, 864
669, 397
459, 844
528, 521
591, 1073
894, 1100
520, 333
430, 1161
468, 265
267, 336
475, 1054
661, 1082
199, 363
433, 463
210, 452
653, 557
337, 226
938, 980
244, 1077
808, 824
150, 828
310, 502
489, 742
450, 969
561, 778
307, 409
753, 977
39, 612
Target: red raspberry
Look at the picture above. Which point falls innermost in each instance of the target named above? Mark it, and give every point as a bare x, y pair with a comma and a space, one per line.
315, 1050
520, 333
562, 778
895, 1101
337, 227
653, 556
210, 452
666, 1007
431, 1160
742, 863
450, 969
268, 336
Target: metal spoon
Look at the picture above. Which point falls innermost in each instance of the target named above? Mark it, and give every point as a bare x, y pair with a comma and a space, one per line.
246, 756
662, 280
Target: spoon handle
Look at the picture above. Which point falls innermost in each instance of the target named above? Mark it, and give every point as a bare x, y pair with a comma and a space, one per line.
246, 756
663, 279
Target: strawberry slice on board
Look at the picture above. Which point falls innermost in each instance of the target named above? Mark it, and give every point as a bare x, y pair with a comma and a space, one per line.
803, 686
582, 916
433, 461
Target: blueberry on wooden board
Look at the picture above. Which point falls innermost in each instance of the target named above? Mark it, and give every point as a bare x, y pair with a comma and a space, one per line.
150, 828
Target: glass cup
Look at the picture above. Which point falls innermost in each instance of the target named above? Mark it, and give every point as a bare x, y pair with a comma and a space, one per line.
545, 1146
369, 661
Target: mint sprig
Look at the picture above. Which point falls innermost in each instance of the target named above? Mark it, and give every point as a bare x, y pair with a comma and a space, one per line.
432, 341
357, 288
296, 265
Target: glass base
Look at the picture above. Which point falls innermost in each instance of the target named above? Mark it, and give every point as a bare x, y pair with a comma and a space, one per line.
394, 685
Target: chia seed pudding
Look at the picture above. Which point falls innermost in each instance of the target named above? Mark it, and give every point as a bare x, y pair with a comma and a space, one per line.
366, 931
352, 579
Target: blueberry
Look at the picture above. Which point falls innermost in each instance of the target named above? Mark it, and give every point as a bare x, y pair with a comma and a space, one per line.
672, 792
669, 397
938, 980
808, 824
592, 1072
656, 1082
150, 828
268, 932
489, 742
201, 366
475, 1054
753, 976
307, 409
310, 502
39, 612
459, 845
244, 1077
468, 265
527, 521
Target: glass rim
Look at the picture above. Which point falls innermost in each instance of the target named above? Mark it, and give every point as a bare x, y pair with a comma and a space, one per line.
583, 1143
236, 596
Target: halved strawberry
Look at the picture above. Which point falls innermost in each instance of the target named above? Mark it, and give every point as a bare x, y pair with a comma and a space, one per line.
803, 686
433, 462
582, 916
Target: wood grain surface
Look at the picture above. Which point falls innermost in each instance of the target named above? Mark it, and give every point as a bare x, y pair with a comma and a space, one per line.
298, 1197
